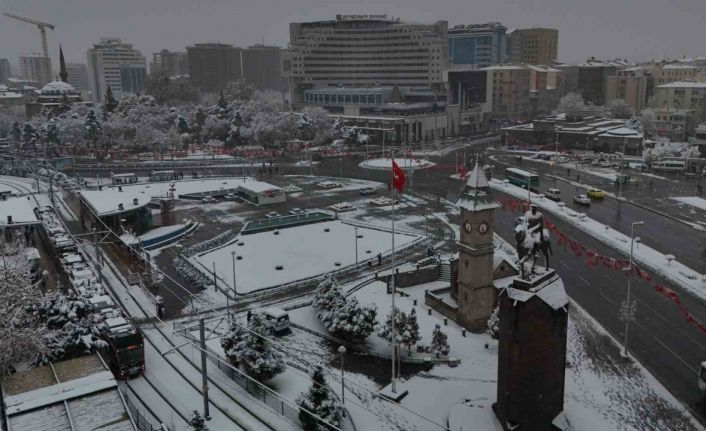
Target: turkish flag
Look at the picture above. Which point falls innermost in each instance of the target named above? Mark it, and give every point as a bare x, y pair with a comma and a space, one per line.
397, 177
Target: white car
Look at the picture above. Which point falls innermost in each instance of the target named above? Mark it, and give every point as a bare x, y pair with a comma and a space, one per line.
272, 214
582, 200
702, 379
296, 211
553, 194
275, 318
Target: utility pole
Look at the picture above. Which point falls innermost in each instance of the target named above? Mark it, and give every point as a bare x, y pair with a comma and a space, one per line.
356, 246
556, 155
628, 308
204, 374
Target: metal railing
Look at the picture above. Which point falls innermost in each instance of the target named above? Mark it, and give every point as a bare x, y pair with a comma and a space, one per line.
143, 424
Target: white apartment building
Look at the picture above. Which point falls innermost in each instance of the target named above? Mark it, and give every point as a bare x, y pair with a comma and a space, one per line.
114, 64
358, 51
36, 67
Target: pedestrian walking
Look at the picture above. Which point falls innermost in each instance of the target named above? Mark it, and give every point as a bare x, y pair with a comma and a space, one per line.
568, 172
249, 315
379, 259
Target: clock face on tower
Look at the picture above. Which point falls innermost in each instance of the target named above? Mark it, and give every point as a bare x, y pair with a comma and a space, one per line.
483, 228
467, 226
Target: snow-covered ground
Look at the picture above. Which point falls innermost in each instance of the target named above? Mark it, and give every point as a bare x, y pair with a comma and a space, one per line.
302, 251
190, 186
406, 164
694, 201
645, 256
603, 391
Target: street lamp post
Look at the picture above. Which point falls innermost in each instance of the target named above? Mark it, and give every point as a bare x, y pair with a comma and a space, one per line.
356, 245
342, 351
628, 308
235, 291
556, 154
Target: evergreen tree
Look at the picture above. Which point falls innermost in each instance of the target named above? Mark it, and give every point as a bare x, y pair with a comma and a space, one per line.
198, 423
110, 103
240, 90
494, 323
249, 350
410, 336
198, 123
222, 105
351, 322
182, 125
16, 133
92, 127
400, 326
320, 401
29, 135
65, 105
51, 133
439, 342
327, 300
338, 129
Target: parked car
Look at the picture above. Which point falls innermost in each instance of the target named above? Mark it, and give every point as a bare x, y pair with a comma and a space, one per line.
553, 194
595, 194
367, 191
208, 200
272, 214
296, 211
562, 159
275, 318
582, 200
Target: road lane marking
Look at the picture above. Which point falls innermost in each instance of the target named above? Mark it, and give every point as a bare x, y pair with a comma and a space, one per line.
564, 264
688, 365
584, 280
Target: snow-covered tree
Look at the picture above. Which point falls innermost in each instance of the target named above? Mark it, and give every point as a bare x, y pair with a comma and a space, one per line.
571, 102
199, 119
240, 90
320, 401
171, 90
337, 129
51, 133
29, 134
439, 342
16, 133
385, 331
92, 127
109, 103
648, 120
618, 108
248, 349
351, 321
494, 323
344, 317
21, 331
410, 335
197, 422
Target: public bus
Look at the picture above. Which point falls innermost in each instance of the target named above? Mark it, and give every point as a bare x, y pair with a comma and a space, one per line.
522, 178
669, 165
123, 178
125, 351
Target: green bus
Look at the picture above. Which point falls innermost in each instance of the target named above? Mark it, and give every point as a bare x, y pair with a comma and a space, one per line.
522, 178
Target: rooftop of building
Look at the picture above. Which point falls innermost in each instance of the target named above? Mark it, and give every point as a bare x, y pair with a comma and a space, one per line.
58, 88
684, 84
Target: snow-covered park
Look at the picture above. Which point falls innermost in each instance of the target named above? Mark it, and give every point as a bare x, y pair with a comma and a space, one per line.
408, 164
286, 255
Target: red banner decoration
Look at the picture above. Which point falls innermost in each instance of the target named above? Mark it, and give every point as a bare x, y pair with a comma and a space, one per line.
594, 260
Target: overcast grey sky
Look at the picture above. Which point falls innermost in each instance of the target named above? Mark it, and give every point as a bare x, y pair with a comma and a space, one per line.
636, 29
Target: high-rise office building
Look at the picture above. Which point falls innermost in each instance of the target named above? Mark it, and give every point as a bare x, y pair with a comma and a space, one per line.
262, 67
35, 67
114, 64
5, 71
78, 77
477, 44
169, 62
532, 46
213, 65
367, 51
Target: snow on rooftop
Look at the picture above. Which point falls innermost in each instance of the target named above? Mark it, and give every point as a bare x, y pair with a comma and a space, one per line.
107, 201
187, 187
622, 131
302, 251
258, 187
684, 84
21, 209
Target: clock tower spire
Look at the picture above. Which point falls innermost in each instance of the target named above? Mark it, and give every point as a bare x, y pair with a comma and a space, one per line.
475, 293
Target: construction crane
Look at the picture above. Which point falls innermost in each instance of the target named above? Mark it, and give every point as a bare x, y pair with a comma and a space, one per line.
42, 29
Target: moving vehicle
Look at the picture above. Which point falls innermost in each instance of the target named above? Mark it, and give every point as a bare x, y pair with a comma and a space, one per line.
296, 211
595, 194
553, 194
522, 178
208, 200
669, 166
582, 200
702, 379
272, 214
367, 191
125, 351
275, 318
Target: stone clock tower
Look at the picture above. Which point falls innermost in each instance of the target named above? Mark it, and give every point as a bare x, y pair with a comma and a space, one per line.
475, 293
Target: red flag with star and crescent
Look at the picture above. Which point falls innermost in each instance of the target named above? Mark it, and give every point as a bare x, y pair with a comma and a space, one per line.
398, 177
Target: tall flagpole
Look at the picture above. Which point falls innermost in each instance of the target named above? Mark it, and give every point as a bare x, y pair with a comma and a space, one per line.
394, 335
